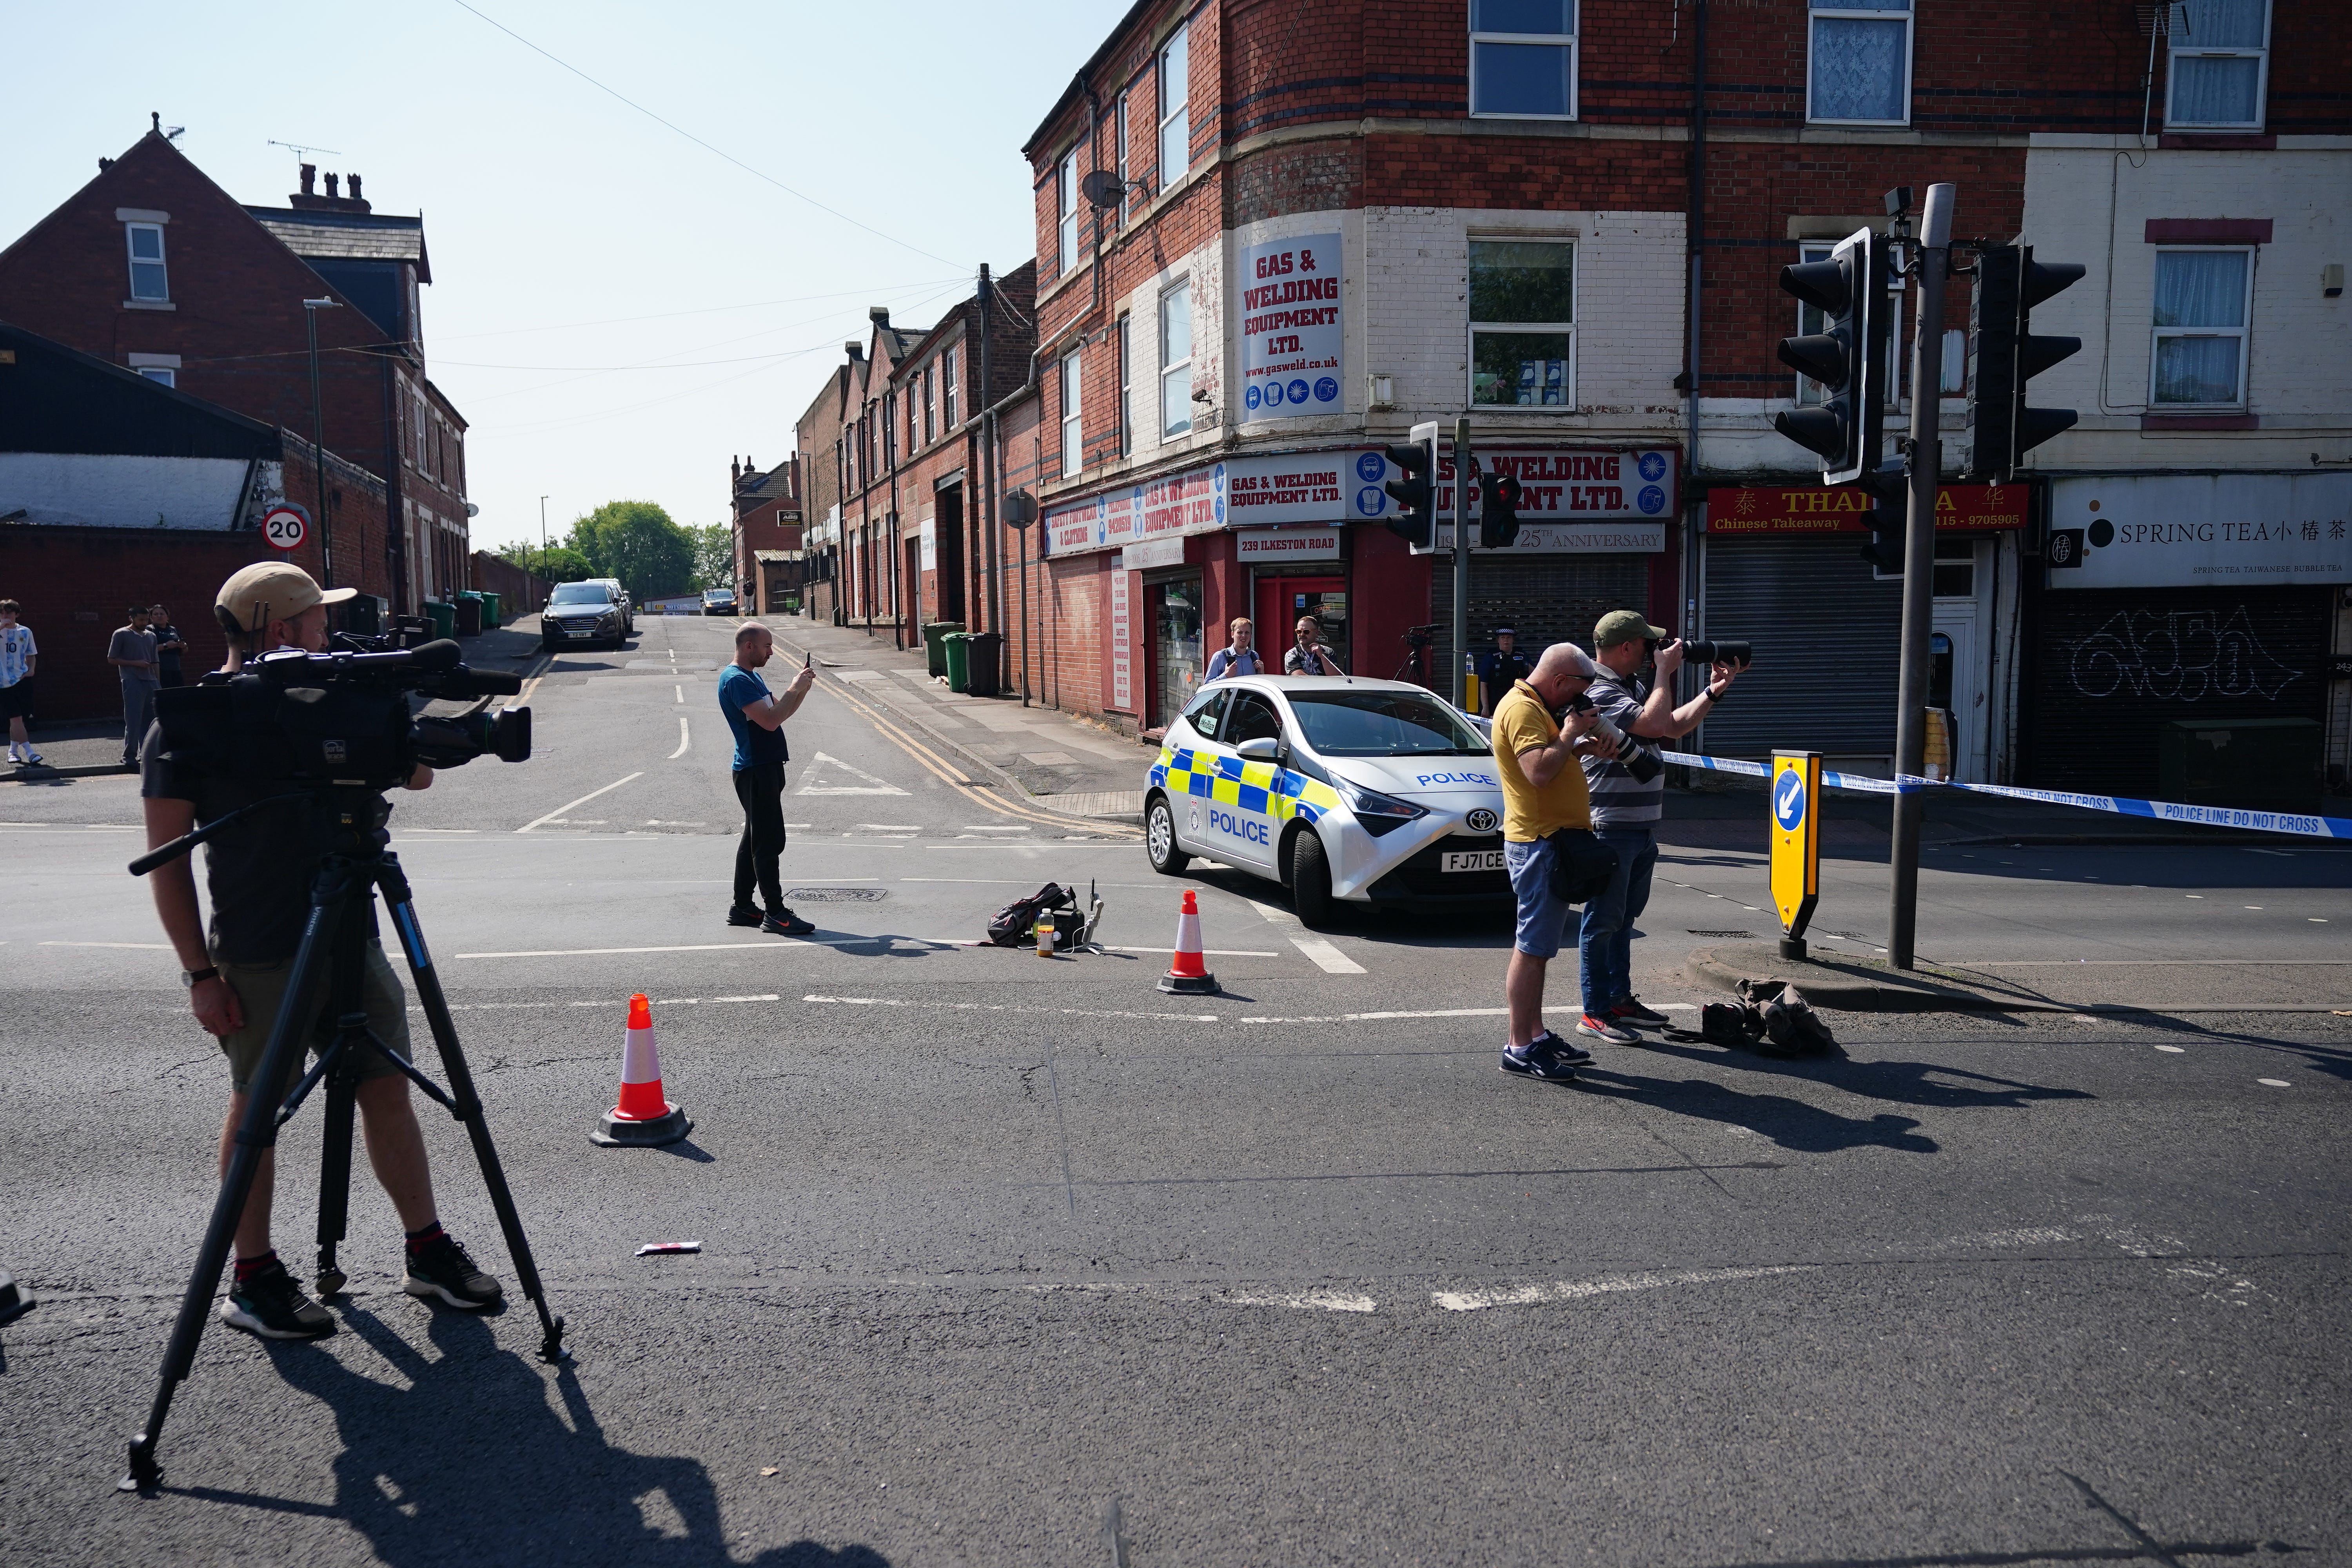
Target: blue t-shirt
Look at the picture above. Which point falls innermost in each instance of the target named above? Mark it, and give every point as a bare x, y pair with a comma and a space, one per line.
753, 744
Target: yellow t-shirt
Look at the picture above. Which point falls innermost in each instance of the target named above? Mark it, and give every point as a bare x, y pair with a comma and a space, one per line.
1521, 720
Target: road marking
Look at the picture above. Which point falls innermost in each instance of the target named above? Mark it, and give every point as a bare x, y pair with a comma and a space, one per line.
565, 808
1205, 952
1327, 958
681, 692
872, 785
531, 682
2174, 1050
2273, 1082
131, 946
1308, 1300
1584, 1289
684, 739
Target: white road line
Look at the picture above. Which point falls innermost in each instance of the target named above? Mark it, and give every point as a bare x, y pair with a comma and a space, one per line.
783, 944
1307, 1300
131, 946
684, 739
1327, 958
681, 692
1582, 1290
1205, 952
565, 808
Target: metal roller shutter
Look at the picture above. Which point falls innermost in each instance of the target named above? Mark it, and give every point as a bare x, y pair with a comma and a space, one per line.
1545, 598
2113, 666
1825, 634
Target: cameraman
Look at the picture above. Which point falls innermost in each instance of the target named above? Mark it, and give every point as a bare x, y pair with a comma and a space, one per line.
1625, 811
237, 977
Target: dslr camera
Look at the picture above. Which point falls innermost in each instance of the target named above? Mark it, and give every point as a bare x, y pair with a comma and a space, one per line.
1640, 760
345, 718
1700, 652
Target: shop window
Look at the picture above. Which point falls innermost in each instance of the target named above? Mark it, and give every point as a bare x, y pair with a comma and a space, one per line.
2199, 355
1175, 107
1523, 59
1073, 433
1176, 361
1860, 73
1523, 322
149, 283
2218, 64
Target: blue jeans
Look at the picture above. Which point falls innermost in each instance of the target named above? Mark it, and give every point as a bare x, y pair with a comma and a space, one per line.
1606, 942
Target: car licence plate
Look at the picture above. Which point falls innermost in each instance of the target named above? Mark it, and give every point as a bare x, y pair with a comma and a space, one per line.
1471, 860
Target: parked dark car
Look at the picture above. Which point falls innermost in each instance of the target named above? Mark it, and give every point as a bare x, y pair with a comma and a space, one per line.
583, 613
718, 602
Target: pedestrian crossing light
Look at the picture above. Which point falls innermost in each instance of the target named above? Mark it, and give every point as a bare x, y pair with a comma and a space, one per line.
1415, 493
1847, 358
1498, 509
2004, 354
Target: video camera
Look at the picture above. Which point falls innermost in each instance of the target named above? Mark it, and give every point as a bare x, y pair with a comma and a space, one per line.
1421, 636
343, 718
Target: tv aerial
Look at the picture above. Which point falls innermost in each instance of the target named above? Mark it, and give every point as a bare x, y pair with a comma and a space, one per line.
303, 153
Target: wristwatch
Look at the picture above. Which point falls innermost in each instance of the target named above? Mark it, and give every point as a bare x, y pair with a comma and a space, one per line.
191, 978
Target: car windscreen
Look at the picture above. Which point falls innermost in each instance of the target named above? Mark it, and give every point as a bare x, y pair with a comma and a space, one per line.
578, 594
1382, 724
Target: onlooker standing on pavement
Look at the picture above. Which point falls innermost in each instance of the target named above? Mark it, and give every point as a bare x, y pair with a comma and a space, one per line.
1625, 811
1500, 668
1307, 655
169, 644
18, 657
1238, 656
1543, 794
132, 654
757, 717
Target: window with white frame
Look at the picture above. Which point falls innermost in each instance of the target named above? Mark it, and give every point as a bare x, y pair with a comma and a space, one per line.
421, 426
2198, 359
930, 400
149, 284
1120, 130
914, 418
1176, 361
1523, 322
1126, 386
1523, 59
948, 386
1073, 433
1860, 72
1175, 107
2219, 64
160, 372
1811, 319
890, 430
1066, 207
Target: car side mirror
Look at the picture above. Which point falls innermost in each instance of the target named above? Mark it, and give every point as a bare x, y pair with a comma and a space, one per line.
1260, 749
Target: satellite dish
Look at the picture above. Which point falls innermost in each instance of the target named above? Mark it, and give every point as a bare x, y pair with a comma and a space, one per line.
1103, 188
1020, 509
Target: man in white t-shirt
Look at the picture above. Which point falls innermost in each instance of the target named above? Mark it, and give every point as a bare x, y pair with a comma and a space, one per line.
18, 657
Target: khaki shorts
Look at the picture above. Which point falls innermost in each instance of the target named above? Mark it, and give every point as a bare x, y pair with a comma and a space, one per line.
261, 988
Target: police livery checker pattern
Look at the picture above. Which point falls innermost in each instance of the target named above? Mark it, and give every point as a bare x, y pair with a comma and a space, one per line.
1252, 786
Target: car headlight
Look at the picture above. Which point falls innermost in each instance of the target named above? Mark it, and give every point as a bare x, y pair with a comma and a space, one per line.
1380, 814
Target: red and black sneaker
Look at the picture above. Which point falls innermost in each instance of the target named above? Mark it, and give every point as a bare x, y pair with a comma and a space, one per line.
1628, 1010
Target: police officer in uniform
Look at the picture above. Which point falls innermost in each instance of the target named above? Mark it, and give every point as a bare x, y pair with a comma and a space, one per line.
1499, 667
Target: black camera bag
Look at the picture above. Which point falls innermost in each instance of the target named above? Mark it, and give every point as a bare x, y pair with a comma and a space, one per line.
1581, 866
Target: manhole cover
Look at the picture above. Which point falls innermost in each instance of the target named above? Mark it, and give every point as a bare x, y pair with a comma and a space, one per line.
1695, 932
835, 895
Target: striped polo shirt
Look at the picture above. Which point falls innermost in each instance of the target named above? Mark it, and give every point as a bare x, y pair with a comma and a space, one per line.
1619, 800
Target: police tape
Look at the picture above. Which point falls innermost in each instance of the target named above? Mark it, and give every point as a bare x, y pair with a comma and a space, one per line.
2287, 821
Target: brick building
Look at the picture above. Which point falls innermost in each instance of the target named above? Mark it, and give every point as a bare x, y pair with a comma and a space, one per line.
768, 525
152, 266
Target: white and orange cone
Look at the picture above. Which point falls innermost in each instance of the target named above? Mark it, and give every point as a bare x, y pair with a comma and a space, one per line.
642, 1117
1187, 975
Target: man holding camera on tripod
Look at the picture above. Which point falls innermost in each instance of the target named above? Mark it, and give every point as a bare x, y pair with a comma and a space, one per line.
1629, 795
259, 880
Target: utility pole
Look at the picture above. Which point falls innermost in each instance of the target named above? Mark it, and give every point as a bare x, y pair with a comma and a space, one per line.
310, 309
1923, 467
1465, 464
542, 546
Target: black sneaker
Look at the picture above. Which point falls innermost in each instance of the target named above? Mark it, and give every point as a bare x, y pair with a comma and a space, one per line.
441, 1271
268, 1305
744, 915
786, 923
1631, 1011
1569, 1051
1605, 1029
1538, 1059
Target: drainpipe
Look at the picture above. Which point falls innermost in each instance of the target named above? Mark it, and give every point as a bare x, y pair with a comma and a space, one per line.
1695, 290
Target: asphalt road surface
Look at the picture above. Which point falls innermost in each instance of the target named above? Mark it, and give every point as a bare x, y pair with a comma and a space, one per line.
1015, 1260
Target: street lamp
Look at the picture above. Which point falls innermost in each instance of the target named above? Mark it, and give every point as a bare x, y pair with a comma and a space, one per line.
310, 309
542, 541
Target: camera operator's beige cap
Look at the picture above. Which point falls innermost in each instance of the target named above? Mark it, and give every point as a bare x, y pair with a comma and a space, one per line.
270, 591
1624, 626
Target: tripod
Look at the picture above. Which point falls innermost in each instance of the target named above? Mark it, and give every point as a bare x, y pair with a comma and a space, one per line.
356, 868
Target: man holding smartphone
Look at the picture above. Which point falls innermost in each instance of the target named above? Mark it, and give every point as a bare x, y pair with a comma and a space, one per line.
757, 717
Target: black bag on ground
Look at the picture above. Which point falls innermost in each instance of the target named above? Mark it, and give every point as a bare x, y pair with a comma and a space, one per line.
1581, 866
1016, 925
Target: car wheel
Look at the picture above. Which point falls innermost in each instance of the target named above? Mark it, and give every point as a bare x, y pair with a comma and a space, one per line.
1160, 838
1310, 878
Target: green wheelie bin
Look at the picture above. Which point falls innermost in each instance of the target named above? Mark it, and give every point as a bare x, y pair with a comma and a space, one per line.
934, 650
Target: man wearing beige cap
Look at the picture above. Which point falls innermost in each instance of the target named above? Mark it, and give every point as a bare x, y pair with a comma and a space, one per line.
237, 973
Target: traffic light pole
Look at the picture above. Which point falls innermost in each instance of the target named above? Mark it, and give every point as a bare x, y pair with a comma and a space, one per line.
1923, 467
1462, 466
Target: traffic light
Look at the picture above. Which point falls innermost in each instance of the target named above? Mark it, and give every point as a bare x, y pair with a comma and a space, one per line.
1415, 493
1885, 551
2004, 354
1848, 359
1498, 509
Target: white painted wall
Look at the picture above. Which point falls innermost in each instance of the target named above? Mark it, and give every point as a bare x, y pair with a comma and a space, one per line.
120, 492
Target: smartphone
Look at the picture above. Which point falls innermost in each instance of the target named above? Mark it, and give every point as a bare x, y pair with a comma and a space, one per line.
808, 659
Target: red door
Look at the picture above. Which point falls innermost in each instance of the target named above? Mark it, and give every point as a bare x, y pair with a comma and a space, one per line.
1282, 600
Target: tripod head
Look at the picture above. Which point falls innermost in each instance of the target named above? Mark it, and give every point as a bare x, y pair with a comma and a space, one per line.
351, 821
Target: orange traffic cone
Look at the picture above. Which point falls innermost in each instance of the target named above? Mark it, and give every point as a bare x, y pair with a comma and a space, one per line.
1187, 975
643, 1118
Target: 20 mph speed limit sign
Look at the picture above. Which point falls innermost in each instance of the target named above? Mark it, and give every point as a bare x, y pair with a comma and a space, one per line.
285, 526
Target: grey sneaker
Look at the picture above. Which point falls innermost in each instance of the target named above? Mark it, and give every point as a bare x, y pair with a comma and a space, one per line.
270, 1306
441, 1271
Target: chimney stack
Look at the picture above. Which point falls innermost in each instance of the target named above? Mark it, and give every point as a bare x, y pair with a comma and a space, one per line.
309, 179
355, 187
735, 469
853, 349
334, 194
878, 314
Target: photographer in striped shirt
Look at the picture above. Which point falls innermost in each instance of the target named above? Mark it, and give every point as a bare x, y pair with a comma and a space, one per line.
1628, 792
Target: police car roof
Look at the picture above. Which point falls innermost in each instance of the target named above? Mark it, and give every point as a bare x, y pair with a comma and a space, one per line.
1292, 684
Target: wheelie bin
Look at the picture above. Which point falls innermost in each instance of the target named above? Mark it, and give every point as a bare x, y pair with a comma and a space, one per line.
934, 650
957, 645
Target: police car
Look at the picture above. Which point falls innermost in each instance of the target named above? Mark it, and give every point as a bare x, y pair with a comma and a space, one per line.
1363, 792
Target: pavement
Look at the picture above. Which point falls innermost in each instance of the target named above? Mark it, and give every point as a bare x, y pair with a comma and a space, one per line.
1010, 1259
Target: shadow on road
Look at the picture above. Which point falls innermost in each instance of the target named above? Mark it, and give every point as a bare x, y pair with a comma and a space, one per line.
1790, 1123
1905, 1083
460, 1458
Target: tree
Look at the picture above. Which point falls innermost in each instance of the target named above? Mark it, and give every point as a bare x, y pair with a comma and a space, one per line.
637, 541
714, 555
560, 564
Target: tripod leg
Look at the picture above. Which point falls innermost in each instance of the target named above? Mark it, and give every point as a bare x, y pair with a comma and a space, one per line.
468, 1107
345, 1006
254, 1135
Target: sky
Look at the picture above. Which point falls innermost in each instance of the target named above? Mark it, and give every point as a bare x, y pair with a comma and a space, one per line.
616, 311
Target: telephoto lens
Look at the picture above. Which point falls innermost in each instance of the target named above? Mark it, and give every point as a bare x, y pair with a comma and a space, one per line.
1699, 650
